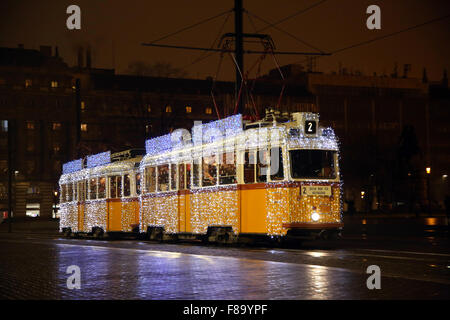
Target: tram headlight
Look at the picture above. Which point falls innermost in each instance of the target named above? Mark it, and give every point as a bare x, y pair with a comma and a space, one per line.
315, 216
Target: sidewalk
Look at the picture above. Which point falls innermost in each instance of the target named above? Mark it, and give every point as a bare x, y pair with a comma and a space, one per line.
31, 226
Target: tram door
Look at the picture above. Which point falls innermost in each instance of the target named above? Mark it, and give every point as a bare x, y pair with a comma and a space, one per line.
115, 204
81, 186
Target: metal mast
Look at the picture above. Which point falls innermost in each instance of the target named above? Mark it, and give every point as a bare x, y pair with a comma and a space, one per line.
239, 52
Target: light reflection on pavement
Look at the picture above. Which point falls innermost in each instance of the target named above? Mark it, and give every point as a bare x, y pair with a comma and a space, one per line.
36, 269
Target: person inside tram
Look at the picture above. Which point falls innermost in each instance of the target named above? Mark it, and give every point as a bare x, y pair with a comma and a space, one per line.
262, 165
163, 177
209, 171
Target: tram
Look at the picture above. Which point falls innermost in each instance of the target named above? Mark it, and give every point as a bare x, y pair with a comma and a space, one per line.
223, 181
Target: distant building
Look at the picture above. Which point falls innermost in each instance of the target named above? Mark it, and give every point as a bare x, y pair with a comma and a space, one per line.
60, 113
377, 120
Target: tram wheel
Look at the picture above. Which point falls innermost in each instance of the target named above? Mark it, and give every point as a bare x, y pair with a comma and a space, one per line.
155, 233
67, 232
97, 232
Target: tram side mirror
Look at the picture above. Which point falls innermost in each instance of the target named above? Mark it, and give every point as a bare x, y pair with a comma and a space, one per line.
310, 127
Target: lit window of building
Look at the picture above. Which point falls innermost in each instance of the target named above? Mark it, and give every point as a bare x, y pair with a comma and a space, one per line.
188, 109
4, 125
149, 108
84, 127
30, 166
54, 84
83, 105
148, 128
56, 126
3, 191
30, 145
33, 210
168, 109
208, 110
30, 125
56, 149
33, 190
28, 83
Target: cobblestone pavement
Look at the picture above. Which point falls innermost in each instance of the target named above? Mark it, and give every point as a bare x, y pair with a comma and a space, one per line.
34, 267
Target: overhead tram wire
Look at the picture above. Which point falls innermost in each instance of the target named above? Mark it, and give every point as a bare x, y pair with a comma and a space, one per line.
292, 15
284, 31
386, 36
191, 26
391, 34
272, 25
245, 51
206, 55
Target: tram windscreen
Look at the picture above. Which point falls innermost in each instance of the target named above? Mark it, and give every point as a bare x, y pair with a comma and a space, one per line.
315, 164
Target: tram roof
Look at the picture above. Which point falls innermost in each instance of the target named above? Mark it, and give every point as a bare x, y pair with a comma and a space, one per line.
179, 146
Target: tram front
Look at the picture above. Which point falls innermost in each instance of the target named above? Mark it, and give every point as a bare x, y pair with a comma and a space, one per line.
316, 205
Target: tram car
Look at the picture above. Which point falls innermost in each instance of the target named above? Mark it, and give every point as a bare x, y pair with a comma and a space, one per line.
223, 181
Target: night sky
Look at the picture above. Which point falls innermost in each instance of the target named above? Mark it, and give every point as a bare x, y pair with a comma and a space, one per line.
116, 28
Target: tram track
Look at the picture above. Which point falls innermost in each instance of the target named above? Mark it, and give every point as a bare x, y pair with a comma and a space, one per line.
418, 266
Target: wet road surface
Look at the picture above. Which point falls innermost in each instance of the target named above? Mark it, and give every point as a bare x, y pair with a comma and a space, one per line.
34, 267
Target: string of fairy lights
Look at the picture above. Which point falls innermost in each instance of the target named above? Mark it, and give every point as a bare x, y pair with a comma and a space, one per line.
216, 205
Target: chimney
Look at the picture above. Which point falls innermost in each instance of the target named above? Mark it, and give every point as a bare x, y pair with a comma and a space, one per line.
88, 58
445, 79
80, 58
406, 70
56, 52
424, 76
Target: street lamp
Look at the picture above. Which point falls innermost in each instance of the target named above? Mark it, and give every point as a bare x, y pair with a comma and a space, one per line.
428, 171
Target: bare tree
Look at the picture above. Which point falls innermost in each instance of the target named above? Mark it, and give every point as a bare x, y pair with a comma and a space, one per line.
157, 69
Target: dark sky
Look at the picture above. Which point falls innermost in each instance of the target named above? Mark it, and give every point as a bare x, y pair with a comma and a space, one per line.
120, 26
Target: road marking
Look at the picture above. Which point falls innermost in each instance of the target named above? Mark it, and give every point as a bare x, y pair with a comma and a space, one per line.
320, 253
411, 252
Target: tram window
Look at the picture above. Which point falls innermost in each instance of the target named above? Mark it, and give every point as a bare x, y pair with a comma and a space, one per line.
188, 175
181, 176
113, 187
138, 183
119, 186
69, 192
101, 188
126, 185
312, 164
173, 177
150, 179
196, 174
262, 165
163, 177
209, 171
63, 193
249, 167
93, 189
276, 164
75, 193
227, 168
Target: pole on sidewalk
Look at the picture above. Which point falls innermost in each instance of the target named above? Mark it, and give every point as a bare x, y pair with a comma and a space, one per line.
10, 174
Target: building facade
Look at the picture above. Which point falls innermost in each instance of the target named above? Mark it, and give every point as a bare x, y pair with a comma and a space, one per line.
390, 129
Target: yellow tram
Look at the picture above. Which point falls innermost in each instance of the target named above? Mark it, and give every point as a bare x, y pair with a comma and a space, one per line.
223, 181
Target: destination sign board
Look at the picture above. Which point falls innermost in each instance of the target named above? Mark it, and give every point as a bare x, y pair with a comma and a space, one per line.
316, 191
